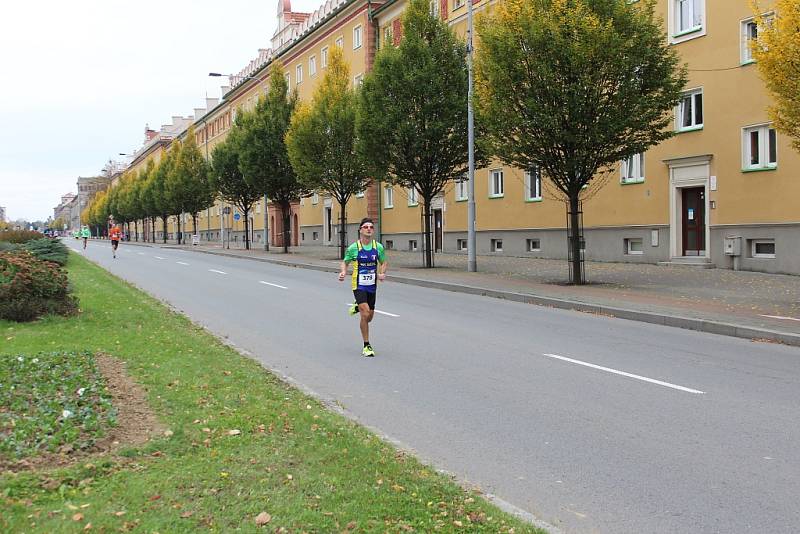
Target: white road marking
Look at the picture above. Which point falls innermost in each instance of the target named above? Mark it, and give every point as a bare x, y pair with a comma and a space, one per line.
140, 253
271, 284
379, 311
159, 257
216, 271
781, 317
629, 375
181, 263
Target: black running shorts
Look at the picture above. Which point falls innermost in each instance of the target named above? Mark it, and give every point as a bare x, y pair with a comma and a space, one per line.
365, 296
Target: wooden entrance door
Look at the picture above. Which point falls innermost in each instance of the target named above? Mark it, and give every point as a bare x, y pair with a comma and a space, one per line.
438, 235
694, 221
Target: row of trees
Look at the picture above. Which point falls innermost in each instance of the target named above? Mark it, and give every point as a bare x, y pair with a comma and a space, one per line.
568, 87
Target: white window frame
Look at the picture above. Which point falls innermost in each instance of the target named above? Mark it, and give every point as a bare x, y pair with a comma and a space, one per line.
529, 245
457, 4
413, 247
315, 198
289, 80
496, 192
388, 197
629, 249
538, 186
696, 9
756, 242
746, 38
631, 170
461, 244
323, 57
412, 197
680, 110
360, 194
312, 66
357, 35
462, 189
340, 41
298, 72
763, 132
358, 80
433, 8
497, 245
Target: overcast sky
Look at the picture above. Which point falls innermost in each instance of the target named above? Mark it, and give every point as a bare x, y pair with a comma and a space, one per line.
80, 80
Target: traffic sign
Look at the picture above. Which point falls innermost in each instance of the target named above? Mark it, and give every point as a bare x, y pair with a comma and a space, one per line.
236, 216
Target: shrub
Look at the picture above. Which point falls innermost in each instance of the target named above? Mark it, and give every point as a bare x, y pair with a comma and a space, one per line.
19, 236
5, 246
30, 288
48, 249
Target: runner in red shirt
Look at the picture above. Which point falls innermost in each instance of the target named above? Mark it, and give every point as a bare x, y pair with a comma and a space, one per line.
115, 235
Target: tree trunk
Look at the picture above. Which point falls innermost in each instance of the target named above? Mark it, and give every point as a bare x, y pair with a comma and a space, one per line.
194, 224
246, 229
136, 230
576, 274
179, 236
153, 231
286, 208
426, 215
342, 231
164, 227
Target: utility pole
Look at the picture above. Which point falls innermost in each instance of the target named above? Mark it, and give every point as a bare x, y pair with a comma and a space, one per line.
472, 262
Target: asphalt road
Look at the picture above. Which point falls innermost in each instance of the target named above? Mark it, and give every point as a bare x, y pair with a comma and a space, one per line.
590, 423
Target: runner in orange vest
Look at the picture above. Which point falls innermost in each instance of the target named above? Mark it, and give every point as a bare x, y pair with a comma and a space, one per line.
115, 235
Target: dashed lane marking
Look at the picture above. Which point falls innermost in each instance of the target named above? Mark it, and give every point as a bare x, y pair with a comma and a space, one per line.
271, 284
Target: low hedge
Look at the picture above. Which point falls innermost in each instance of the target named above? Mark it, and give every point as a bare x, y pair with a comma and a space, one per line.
48, 249
31, 287
19, 236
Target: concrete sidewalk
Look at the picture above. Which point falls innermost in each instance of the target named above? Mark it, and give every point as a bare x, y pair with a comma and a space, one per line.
742, 304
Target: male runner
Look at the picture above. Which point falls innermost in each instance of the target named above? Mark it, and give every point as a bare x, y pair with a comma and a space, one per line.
115, 235
85, 234
370, 267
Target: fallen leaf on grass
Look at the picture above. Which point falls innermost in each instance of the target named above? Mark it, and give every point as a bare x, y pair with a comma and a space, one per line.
154, 498
88, 526
234, 432
119, 514
168, 433
263, 518
77, 517
187, 514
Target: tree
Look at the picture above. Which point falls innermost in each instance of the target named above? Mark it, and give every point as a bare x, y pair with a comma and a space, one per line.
322, 141
263, 158
571, 87
189, 180
226, 174
777, 52
147, 197
412, 126
163, 203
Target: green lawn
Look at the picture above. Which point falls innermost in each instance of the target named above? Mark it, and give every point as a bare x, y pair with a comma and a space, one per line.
309, 469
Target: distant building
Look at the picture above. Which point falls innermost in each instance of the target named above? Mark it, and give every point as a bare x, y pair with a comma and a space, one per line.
2, 214
88, 187
62, 211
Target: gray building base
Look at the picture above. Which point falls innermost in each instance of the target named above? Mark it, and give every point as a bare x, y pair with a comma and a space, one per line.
786, 238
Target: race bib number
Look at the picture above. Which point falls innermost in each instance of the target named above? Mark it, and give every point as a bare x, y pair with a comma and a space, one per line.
366, 279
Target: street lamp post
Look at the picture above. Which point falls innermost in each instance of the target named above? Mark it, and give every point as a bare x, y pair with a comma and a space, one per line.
472, 263
266, 216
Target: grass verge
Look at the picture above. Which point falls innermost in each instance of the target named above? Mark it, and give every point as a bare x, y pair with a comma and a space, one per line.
240, 443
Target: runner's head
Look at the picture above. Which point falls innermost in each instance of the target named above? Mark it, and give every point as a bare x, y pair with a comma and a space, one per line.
366, 228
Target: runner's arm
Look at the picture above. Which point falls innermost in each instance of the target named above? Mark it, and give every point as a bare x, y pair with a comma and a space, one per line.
342, 270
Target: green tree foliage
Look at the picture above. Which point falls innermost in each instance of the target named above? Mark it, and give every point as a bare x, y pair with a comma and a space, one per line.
263, 158
412, 126
227, 178
572, 87
189, 180
322, 141
164, 205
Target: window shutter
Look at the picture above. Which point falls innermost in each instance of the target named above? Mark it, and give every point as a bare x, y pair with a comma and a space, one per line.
397, 32
443, 8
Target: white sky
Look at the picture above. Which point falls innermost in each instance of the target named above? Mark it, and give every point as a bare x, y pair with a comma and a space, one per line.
79, 81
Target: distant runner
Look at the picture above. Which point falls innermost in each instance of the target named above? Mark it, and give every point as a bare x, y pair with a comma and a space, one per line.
115, 235
85, 234
370, 268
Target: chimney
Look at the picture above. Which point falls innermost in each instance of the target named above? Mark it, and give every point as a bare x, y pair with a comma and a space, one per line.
199, 112
211, 103
148, 133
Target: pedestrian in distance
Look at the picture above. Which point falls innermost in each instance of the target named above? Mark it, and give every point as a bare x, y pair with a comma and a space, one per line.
115, 235
369, 268
85, 235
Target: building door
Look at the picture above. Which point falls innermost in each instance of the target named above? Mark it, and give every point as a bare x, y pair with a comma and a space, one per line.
328, 225
437, 230
694, 221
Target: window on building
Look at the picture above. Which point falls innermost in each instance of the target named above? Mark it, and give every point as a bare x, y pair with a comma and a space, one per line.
389, 244
298, 73
314, 236
360, 194
750, 29
288, 80
688, 16
433, 7
412, 197
323, 57
412, 244
690, 111
759, 148
457, 3
388, 197
340, 42
315, 198
762, 248
357, 37
387, 36
461, 244
312, 66
258, 207
534, 245
462, 189
533, 185
497, 245
634, 245
632, 169
358, 79
496, 186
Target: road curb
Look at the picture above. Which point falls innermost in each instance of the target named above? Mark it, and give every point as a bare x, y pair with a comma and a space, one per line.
676, 321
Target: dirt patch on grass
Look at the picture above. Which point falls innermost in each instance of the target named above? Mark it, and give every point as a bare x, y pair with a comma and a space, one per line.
136, 422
